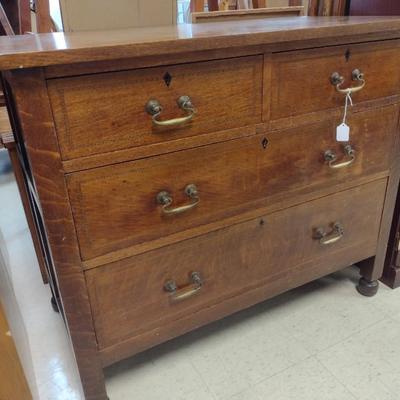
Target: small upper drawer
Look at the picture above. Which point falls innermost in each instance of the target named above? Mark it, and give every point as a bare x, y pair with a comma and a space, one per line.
302, 81
131, 203
111, 111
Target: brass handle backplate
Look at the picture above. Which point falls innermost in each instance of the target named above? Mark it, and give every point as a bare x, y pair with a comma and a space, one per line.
165, 199
331, 158
337, 80
332, 237
184, 292
154, 108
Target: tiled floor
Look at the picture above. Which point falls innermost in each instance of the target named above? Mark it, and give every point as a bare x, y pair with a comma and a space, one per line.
320, 342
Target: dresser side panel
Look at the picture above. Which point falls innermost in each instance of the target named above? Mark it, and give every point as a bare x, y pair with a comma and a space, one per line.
36, 121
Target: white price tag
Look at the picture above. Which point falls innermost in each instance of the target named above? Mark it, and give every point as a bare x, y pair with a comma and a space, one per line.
343, 130
343, 133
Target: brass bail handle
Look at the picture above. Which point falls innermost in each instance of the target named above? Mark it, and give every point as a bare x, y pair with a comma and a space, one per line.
154, 108
184, 292
331, 158
337, 80
165, 199
332, 237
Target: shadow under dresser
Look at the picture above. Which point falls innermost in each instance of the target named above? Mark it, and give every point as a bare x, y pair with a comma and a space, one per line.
180, 174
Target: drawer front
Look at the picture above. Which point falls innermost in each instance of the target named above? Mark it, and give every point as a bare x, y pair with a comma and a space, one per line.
105, 112
142, 293
301, 81
230, 178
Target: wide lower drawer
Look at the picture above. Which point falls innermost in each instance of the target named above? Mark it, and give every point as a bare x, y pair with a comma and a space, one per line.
122, 205
302, 81
106, 112
141, 293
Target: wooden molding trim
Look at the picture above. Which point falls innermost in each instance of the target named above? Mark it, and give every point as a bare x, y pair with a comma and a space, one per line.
230, 15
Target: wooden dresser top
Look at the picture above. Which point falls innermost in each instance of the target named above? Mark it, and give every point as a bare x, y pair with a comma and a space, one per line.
63, 48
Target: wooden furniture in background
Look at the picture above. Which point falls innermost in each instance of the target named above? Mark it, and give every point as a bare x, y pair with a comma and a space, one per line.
5, 24
44, 22
260, 3
374, 7
211, 178
256, 13
19, 14
326, 7
233, 15
7, 141
246, 10
197, 5
13, 383
15, 17
391, 273
5, 127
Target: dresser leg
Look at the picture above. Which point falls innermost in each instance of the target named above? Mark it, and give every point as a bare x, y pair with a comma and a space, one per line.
54, 304
367, 288
94, 387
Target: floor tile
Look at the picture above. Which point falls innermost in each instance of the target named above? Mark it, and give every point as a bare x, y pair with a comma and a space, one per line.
156, 376
249, 394
328, 311
387, 301
243, 353
308, 380
368, 362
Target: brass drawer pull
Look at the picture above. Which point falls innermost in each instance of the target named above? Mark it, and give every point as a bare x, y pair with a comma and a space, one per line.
184, 292
331, 158
154, 108
165, 199
337, 80
330, 238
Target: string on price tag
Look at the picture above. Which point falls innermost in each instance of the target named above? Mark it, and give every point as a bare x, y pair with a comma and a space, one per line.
343, 130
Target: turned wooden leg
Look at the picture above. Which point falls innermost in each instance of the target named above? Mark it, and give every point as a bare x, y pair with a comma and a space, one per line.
368, 284
367, 288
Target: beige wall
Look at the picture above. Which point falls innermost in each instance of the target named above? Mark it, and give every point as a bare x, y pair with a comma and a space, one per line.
85, 15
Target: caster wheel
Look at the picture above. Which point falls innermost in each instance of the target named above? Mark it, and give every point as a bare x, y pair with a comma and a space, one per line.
54, 304
367, 288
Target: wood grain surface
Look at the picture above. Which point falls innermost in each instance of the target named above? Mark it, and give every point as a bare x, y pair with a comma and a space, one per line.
235, 176
301, 80
128, 298
61, 48
13, 384
235, 15
106, 112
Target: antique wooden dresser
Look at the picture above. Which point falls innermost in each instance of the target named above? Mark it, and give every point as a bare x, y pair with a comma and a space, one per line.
180, 174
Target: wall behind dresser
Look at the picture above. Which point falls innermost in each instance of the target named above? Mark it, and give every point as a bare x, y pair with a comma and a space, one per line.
117, 14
